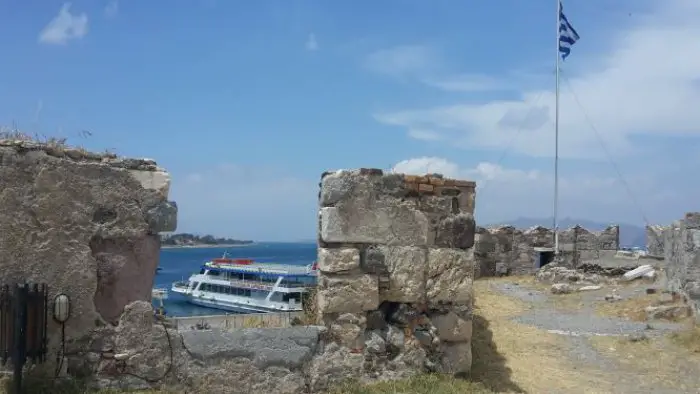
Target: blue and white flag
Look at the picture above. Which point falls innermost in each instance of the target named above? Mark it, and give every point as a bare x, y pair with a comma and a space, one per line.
567, 34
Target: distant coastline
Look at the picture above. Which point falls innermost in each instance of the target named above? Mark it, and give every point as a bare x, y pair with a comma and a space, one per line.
205, 246
187, 240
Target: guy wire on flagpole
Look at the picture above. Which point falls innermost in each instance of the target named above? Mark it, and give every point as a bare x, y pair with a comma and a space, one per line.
608, 155
556, 136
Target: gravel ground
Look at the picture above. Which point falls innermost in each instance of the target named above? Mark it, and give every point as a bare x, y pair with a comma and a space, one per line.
581, 324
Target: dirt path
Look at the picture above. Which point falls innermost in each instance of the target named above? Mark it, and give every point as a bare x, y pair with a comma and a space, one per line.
527, 340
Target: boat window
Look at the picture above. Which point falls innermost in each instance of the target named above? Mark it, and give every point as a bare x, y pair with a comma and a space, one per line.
214, 273
201, 272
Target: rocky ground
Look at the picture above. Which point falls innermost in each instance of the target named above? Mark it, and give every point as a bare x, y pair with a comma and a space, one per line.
611, 337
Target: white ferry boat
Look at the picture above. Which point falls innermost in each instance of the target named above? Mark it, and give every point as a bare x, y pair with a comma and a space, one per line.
246, 286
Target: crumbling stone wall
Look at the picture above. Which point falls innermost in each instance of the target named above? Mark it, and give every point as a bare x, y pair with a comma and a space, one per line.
655, 240
394, 299
396, 265
85, 223
507, 250
681, 246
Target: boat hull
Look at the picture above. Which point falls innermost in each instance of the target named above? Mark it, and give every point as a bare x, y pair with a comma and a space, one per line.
233, 307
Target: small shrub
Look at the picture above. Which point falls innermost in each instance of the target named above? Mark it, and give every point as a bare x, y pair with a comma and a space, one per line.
253, 322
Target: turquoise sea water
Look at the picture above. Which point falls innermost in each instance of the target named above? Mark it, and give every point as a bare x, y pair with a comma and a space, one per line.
179, 264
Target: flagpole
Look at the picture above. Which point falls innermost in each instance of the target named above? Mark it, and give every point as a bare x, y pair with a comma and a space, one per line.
556, 139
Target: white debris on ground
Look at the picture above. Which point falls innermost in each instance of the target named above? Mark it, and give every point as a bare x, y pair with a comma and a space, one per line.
590, 288
592, 277
646, 271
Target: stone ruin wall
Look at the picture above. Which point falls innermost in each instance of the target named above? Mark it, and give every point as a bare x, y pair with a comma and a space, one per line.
394, 297
507, 250
655, 239
679, 243
86, 224
396, 263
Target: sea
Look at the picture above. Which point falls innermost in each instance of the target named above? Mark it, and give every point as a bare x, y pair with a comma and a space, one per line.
179, 263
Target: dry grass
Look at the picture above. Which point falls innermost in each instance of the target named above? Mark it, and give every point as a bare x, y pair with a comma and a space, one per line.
507, 353
13, 133
630, 309
254, 322
672, 361
423, 384
688, 339
311, 316
35, 385
58, 143
633, 308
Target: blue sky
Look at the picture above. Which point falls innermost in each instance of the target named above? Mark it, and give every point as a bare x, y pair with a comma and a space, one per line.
247, 103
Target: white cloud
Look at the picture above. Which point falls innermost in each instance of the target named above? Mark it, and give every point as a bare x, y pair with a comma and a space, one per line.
648, 82
404, 61
428, 66
311, 43
468, 83
64, 27
504, 194
250, 203
424, 134
112, 9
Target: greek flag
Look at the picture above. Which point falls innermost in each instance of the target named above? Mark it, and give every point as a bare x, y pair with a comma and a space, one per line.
567, 34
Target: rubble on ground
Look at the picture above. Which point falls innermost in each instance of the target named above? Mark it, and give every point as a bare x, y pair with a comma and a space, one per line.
591, 268
558, 274
667, 312
561, 288
589, 275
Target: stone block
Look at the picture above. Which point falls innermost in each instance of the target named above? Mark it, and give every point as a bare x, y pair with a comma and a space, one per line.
457, 358
450, 275
372, 260
387, 222
285, 347
337, 186
153, 180
451, 327
441, 206
335, 366
162, 217
692, 220
359, 187
456, 231
407, 268
347, 293
348, 330
338, 260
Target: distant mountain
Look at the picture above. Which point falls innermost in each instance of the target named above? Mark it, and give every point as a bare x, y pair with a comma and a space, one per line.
630, 234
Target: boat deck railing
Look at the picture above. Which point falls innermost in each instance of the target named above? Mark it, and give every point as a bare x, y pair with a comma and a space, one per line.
243, 283
181, 284
257, 285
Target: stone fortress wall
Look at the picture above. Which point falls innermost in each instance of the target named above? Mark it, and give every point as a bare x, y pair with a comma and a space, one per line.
679, 244
507, 250
655, 239
86, 224
396, 263
394, 297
